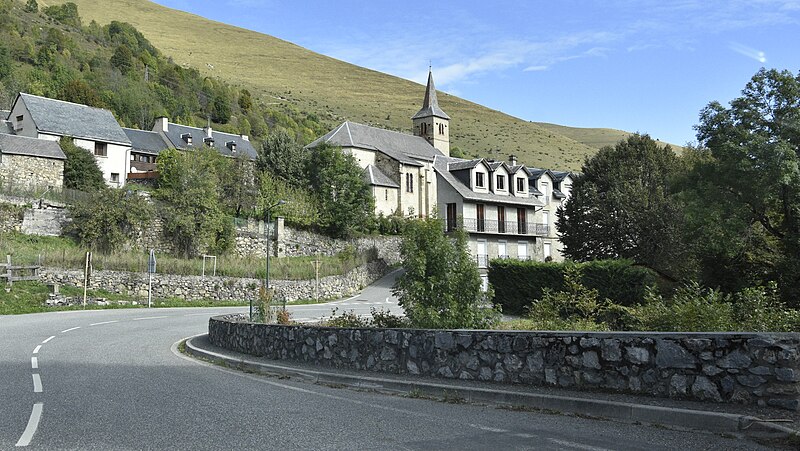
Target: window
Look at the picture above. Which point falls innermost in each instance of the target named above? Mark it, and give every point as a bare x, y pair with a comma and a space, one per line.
20, 119
546, 192
101, 149
546, 218
484, 283
481, 213
423, 128
520, 185
479, 179
409, 183
547, 252
522, 250
501, 182
441, 128
114, 177
501, 219
522, 222
501, 249
451, 217
386, 194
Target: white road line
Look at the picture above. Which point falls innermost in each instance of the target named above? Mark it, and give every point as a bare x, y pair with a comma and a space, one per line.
574, 445
33, 424
36, 349
104, 322
37, 383
488, 429
149, 317
48, 339
70, 329
35, 363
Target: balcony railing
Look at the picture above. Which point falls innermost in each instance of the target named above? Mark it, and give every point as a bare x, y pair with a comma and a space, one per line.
483, 260
501, 227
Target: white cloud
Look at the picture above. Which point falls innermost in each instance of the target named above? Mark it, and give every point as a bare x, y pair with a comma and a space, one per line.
536, 68
748, 52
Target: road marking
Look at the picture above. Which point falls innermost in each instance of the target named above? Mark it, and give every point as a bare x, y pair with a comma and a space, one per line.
70, 329
48, 339
37, 383
577, 445
36, 349
489, 429
149, 317
35, 363
104, 322
33, 424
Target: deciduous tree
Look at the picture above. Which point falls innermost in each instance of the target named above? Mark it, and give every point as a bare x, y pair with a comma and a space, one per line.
80, 168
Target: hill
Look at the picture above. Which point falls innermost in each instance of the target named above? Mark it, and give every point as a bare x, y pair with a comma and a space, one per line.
333, 90
593, 137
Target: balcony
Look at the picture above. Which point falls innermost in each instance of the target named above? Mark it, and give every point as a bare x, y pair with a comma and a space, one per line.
482, 260
501, 227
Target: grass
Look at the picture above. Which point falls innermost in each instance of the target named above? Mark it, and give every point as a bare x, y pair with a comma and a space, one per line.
65, 253
292, 77
29, 297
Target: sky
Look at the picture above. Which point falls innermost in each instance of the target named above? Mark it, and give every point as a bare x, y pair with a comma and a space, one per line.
636, 65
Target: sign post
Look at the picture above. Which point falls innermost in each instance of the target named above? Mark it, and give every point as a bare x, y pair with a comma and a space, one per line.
151, 269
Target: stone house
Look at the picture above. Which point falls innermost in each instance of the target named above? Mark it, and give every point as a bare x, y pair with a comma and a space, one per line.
30, 163
93, 129
553, 188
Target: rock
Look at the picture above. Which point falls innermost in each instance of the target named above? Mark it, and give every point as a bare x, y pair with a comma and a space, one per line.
590, 360
499, 376
704, 389
761, 370
789, 404
677, 386
520, 344
535, 362
711, 370
388, 353
464, 340
787, 375
332, 340
465, 376
728, 384
637, 355
512, 362
473, 363
592, 378
698, 344
412, 367
445, 372
671, 355
391, 337
610, 350
751, 381
589, 342
736, 359
760, 342
634, 384
550, 376
485, 374
444, 341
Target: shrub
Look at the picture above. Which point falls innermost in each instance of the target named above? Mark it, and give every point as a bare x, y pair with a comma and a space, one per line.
386, 320
576, 307
692, 308
346, 320
761, 309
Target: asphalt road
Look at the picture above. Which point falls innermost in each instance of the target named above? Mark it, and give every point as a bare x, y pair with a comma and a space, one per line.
113, 380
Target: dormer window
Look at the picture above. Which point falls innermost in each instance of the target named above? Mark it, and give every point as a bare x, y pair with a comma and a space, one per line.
209, 142
231, 145
187, 138
520, 185
479, 180
501, 182
20, 119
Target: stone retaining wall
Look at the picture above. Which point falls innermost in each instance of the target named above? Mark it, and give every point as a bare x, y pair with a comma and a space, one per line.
10, 218
748, 368
195, 288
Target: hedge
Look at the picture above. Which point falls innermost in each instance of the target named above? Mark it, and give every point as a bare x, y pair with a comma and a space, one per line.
518, 283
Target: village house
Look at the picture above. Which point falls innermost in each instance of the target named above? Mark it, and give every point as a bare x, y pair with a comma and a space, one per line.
553, 188
30, 163
93, 129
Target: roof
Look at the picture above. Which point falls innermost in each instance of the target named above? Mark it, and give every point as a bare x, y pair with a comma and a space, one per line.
144, 141
460, 165
402, 147
32, 147
6, 127
376, 177
430, 106
559, 175
4, 114
442, 164
175, 132
535, 173
71, 119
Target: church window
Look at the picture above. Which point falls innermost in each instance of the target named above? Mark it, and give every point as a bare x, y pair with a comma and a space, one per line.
423, 128
409, 183
441, 129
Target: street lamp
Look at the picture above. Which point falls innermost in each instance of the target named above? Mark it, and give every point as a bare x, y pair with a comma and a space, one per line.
269, 238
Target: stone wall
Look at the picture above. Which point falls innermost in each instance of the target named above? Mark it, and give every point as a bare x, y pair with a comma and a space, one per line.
10, 218
195, 288
748, 368
44, 220
26, 171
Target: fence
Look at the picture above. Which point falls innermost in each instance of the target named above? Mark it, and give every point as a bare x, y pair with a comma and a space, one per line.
12, 273
30, 194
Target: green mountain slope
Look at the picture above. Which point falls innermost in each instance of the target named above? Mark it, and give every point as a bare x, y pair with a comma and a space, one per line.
334, 90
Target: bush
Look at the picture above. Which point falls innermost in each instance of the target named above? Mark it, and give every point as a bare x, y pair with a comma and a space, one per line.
347, 319
691, 309
517, 283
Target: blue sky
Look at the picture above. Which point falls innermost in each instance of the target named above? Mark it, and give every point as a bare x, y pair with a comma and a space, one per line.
635, 65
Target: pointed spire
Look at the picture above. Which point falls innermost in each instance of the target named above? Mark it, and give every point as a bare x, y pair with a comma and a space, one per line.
430, 106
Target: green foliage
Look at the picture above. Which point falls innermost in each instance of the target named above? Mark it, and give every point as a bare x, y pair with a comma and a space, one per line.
31, 6
394, 224
748, 177
237, 185
441, 287
282, 156
122, 59
621, 207
517, 282
194, 221
575, 305
105, 220
80, 168
66, 14
300, 209
344, 199
78, 91
349, 320
5, 62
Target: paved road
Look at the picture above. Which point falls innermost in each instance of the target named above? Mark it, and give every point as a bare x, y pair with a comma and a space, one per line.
113, 380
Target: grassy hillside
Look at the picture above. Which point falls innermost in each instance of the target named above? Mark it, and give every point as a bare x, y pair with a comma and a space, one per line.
281, 72
592, 137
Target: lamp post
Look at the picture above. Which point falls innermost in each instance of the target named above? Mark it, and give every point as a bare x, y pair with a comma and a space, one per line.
269, 238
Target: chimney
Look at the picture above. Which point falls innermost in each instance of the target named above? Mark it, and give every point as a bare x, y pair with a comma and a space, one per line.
209, 132
512, 160
161, 125
244, 137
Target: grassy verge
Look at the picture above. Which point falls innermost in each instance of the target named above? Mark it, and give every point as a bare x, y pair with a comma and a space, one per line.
65, 253
29, 297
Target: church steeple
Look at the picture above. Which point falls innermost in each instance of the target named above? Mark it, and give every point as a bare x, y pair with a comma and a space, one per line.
431, 122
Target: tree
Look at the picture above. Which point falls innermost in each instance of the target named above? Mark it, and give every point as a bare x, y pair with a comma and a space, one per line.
78, 91
80, 168
122, 59
221, 109
750, 172
108, 218
245, 100
238, 184
621, 207
282, 156
441, 286
5, 62
345, 200
31, 6
188, 187
66, 14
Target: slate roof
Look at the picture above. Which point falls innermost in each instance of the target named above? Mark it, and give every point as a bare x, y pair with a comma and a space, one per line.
376, 177
6, 127
4, 114
559, 175
32, 147
442, 165
71, 119
221, 140
430, 106
402, 147
144, 141
460, 165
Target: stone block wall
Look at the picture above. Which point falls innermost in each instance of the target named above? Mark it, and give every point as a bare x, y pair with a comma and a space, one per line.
27, 171
195, 288
10, 218
747, 368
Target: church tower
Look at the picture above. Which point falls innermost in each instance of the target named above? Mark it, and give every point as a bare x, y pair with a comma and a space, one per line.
431, 122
